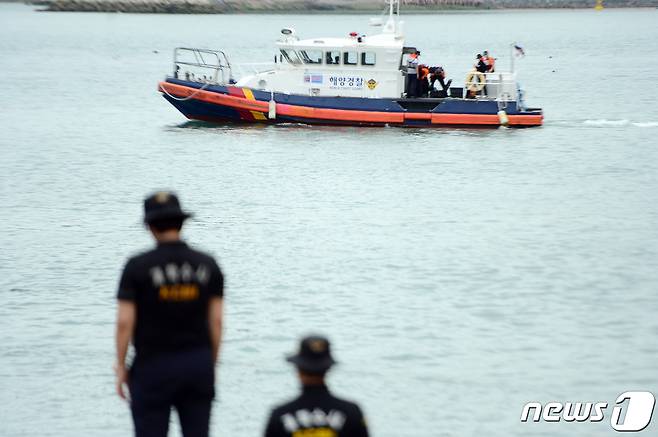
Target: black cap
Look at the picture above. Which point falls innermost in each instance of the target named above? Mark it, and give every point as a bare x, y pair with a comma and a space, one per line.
314, 355
163, 205
478, 56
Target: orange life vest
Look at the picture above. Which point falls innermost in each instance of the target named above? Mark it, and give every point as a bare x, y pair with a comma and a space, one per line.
491, 62
424, 71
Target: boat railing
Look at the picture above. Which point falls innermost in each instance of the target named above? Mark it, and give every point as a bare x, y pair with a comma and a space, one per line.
499, 86
202, 65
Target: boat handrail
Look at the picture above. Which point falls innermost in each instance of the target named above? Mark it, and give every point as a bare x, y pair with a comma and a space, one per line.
499, 86
215, 61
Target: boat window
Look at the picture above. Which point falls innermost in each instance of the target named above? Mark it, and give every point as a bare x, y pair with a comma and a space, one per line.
349, 58
333, 57
368, 58
311, 56
290, 56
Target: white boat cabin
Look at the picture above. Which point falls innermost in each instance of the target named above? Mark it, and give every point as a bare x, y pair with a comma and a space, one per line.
354, 66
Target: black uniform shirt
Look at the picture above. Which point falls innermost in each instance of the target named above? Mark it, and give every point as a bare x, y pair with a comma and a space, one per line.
171, 286
316, 413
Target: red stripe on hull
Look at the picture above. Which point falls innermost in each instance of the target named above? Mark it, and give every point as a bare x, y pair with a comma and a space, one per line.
239, 93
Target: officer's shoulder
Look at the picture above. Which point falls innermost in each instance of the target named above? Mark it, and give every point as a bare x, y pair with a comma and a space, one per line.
201, 254
139, 257
286, 406
347, 405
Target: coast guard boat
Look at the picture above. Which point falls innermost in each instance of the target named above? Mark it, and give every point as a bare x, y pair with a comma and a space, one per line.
354, 80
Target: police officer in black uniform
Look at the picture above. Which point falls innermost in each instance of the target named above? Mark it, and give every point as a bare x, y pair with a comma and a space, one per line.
170, 306
316, 412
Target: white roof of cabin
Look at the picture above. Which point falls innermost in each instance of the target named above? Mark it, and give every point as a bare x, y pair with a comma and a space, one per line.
374, 41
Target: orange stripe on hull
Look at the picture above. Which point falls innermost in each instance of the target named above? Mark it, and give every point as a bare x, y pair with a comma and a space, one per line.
467, 119
238, 101
525, 120
210, 97
486, 119
427, 116
339, 114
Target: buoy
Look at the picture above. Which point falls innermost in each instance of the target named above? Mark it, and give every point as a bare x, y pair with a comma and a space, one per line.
475, 81
502, 116
271, 114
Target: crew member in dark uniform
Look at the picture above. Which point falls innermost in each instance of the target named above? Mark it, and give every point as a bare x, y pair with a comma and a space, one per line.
480, 64
316, 412
170, 306
439, 74
412, 75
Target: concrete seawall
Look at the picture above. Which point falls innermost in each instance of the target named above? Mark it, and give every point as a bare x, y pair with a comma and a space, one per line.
246, 6
283, 6
137, 6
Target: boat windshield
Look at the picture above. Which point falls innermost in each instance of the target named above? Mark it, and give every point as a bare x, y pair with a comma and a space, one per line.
333, 57
368, 58
349, 58
290, 56
311, 56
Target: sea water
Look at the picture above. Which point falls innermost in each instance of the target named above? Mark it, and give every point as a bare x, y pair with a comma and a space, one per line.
459, 273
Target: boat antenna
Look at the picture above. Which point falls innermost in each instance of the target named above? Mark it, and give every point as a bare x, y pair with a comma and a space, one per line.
393, 16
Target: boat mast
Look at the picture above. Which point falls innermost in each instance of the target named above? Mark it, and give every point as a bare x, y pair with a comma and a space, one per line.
392, 25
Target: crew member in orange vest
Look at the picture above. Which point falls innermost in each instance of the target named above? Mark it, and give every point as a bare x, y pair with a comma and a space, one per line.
490, 61
423, 86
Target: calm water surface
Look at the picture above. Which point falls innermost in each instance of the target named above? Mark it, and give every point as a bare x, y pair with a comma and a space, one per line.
460, 273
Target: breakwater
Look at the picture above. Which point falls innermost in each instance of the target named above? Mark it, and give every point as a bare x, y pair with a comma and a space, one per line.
138, 6
244, 6
282, 6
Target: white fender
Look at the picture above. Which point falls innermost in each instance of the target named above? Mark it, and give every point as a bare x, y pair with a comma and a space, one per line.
271, 114
502, 116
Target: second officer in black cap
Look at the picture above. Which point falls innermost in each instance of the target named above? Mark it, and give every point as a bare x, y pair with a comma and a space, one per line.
170, 306
316, 412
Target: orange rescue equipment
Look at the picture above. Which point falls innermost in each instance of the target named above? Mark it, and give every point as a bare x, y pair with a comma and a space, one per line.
475, 81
